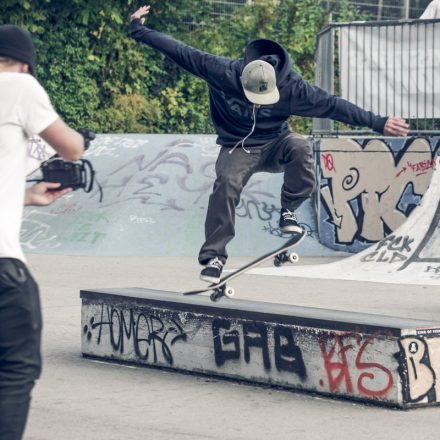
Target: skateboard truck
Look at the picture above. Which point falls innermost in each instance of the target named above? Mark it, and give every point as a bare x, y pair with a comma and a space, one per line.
224, 290
285, 257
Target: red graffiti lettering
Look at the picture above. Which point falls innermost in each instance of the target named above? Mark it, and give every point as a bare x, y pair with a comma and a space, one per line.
334, 353
340, 366
368, 375
329, 163
422, 167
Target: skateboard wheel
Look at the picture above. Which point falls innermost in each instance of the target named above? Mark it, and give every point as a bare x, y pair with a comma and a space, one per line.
293, 258
229, 292
277, 262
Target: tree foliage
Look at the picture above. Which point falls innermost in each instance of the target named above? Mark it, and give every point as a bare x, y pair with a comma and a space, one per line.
98, 77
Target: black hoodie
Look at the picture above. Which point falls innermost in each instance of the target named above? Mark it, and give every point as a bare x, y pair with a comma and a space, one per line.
231, 112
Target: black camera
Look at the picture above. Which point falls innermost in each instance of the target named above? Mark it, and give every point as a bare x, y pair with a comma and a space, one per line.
75, 175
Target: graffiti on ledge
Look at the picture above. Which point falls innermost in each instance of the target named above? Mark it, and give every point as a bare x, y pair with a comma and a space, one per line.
378, 365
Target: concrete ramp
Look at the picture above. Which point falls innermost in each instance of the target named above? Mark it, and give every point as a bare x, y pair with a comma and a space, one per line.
410, 255
156, 190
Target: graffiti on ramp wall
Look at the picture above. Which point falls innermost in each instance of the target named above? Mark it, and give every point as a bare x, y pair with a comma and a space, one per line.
156, 190
369, 187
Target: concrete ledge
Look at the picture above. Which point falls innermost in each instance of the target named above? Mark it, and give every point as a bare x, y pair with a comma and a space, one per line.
371, 358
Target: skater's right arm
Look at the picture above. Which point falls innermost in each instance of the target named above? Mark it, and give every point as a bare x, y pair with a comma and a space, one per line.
209, 67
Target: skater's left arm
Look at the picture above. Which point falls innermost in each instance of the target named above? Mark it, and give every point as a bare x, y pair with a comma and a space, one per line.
211, 68
308, 100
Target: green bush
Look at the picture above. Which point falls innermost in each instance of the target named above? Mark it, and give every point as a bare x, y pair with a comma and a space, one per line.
98, 77
129, 114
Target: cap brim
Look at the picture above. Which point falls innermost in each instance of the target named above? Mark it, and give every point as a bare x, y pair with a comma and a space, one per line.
263, 98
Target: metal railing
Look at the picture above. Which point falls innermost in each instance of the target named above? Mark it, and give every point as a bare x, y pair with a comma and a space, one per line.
227, 8
383, 9
374, 9
391, 68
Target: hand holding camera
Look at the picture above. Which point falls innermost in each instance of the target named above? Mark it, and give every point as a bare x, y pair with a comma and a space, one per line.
70, 175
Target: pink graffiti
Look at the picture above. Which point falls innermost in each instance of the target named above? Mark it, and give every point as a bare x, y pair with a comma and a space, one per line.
418, 168
329, 163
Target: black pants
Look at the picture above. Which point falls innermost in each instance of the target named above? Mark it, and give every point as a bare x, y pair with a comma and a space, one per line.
20, 335
291, 153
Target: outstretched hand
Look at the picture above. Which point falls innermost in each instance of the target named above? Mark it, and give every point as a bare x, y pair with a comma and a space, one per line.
43, 193
396, 127
144, 10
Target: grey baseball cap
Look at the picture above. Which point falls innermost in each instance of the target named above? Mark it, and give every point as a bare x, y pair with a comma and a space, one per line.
260, 83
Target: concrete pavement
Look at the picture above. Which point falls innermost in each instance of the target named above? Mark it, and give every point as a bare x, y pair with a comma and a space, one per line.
78, 398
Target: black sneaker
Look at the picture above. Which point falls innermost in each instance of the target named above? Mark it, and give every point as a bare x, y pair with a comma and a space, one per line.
289, 222
212, 271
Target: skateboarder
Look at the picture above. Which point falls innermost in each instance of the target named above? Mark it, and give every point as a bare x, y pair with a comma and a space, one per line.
25, 110
251, 99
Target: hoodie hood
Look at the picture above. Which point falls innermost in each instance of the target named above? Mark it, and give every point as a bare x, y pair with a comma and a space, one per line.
271, 52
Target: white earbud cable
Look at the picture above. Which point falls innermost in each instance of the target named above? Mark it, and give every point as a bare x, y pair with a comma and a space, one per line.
242, 141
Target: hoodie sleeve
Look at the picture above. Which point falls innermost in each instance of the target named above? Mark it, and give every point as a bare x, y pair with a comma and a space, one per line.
308, 100
209, 67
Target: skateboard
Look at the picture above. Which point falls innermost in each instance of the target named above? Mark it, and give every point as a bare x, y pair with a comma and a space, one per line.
280, 256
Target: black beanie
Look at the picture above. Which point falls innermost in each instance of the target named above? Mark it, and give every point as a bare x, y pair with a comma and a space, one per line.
258, 48
16, 43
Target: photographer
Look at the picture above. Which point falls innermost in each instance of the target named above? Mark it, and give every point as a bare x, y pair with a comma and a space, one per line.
25, 110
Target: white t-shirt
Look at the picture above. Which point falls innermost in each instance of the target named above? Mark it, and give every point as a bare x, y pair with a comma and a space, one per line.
25, 110
432, 10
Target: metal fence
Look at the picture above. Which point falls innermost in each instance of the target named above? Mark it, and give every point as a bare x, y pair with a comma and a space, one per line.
227, 8
391, 68
374, 9
385, 9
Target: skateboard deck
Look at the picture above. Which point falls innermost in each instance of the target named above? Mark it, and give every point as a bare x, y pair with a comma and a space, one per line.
280, 256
